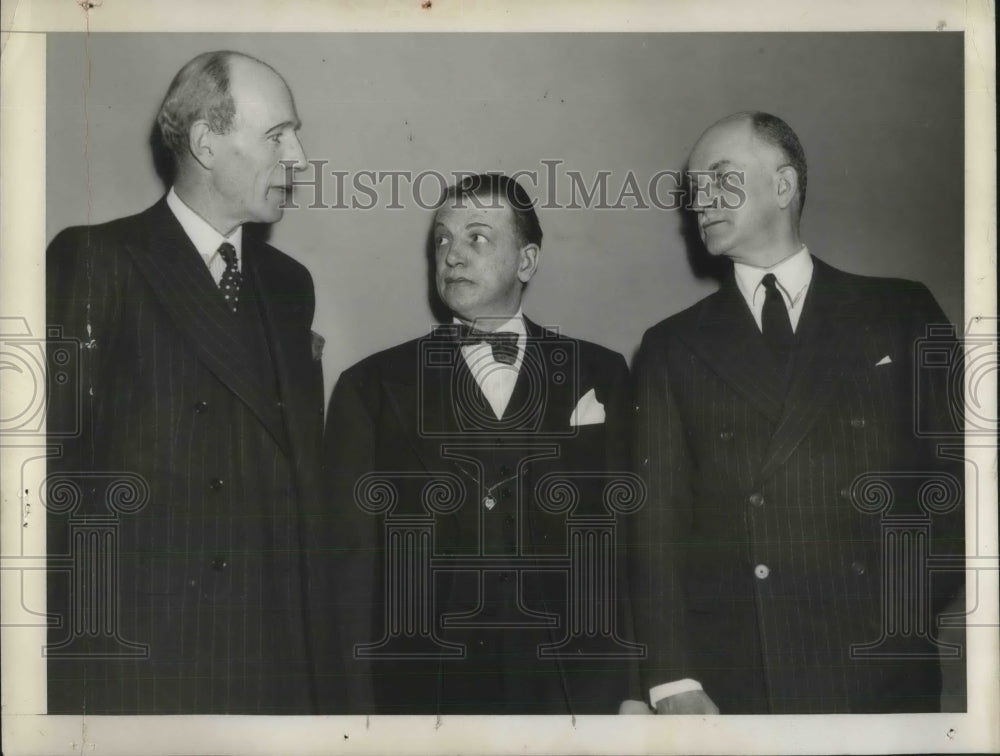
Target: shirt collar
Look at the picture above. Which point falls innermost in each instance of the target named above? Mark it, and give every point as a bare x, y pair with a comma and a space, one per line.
793, 275
513, 325
205, 238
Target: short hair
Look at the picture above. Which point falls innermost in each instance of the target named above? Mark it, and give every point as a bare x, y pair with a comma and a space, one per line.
497, 187
199, 91
779, 134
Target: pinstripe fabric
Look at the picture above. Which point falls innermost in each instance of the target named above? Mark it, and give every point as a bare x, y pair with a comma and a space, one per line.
394, 413
741, 476
220, 414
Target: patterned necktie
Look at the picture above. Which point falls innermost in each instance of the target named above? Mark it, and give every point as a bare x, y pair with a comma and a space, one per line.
503, 344
231, 276
775, 323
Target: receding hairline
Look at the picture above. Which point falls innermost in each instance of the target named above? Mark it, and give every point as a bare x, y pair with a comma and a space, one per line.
229, 56
744, 116
251, 63
234, 78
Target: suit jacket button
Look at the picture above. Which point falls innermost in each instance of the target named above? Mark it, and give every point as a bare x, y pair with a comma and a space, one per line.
200, 407
727, 435
858, 567
857, 422
761, 571
219, 563
215, 484
756, 499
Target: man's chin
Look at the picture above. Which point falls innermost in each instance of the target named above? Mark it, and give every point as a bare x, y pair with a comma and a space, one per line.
272, 215
458, 309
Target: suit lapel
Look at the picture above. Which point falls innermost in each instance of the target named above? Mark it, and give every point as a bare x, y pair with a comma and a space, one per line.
421, 397
182, 285
821, 336
538, 397
295, 403
728, 340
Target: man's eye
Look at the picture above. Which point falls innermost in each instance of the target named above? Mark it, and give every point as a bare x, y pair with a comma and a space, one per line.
441, 241
276, 138
479, 239
731, 180
702, 181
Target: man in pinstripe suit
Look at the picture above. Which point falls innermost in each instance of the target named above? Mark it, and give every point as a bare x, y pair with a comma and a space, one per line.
200, 392
759, 411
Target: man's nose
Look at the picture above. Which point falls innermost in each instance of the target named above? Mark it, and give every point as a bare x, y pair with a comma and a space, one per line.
455, 255
701, 198
703, 192
296, 154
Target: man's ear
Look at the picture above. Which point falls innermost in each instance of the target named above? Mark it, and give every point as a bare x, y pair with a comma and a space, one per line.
201, 141
788, 186
529, 262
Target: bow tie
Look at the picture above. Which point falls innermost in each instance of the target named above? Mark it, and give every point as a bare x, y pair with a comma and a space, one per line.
503, 344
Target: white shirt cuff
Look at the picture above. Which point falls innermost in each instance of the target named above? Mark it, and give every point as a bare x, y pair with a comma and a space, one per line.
659, 692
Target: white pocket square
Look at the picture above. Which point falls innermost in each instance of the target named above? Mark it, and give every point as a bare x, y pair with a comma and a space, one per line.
887, 360
588, 411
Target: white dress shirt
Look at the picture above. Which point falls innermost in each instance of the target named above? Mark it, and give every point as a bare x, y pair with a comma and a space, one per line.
205, 238
793, 275
495, 379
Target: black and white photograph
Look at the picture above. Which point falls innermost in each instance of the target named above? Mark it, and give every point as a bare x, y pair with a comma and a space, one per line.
387, 381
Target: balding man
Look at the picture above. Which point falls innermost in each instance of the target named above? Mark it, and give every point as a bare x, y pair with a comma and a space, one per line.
778, 430
200, 399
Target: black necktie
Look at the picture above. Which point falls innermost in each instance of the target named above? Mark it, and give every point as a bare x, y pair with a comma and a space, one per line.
503, 344
231, 276
775, 323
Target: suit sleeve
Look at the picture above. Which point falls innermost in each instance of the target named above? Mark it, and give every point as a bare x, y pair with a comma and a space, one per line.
615, 394
660, 528
81, 302
345, 553
82, 299
940, 414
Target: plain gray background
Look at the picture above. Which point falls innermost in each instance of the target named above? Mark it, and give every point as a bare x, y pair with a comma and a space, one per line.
880, 116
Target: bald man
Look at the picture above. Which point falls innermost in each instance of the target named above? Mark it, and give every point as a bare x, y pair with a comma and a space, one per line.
199, 409
772, 415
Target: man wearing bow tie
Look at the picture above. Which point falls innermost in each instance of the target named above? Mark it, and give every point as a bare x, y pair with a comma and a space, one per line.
490, 440
771, 418
200, 403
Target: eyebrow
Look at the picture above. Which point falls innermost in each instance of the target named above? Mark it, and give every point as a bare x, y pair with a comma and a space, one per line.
719, 164
296, 125
473, 224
